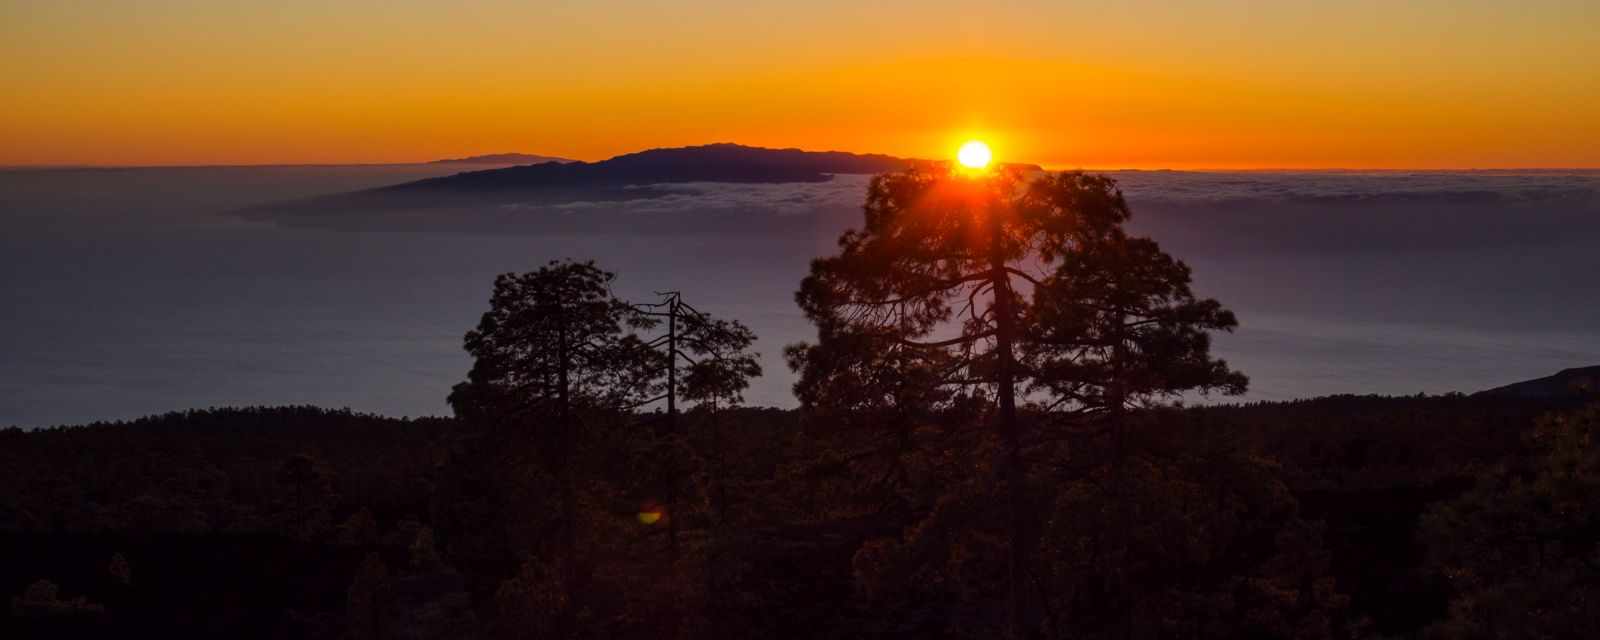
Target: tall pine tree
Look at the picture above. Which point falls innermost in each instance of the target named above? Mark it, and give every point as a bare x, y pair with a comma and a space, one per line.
554, 345
999, 288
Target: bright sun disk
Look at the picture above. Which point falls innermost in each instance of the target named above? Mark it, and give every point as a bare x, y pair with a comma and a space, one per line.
974, 155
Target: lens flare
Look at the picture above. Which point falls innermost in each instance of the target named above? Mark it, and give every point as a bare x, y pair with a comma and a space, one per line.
974, 155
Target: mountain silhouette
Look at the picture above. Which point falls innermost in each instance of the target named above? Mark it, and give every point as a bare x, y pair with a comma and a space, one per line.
706, 163
625, 177
502, 158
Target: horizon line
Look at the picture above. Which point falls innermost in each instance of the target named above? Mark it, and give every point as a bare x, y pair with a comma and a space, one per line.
455, 159
1045, 166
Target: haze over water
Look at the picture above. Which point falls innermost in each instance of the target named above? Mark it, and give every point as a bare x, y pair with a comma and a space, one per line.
134, 292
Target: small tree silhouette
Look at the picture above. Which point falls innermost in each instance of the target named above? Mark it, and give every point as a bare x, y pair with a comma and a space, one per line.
717, 367
720, 366
308, 478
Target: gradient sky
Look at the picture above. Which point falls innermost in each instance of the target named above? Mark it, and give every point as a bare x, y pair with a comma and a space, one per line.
1224, 84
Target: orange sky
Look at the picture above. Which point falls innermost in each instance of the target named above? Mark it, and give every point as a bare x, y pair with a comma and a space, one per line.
1221, 84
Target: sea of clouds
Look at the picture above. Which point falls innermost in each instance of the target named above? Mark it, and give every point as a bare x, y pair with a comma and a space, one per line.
139, 291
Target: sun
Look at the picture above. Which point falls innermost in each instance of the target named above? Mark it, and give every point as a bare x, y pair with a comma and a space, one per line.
974, 155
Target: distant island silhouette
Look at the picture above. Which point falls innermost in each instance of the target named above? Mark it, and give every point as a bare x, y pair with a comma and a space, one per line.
503, 158
632, 176
625, 177
722, 162
707, 163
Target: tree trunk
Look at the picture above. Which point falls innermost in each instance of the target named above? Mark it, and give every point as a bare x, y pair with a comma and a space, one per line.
672, 429
569, 490
1116, 417
1009, 429
719, 507
670, 462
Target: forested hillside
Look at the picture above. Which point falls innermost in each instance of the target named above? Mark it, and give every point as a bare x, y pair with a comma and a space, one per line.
1326, 514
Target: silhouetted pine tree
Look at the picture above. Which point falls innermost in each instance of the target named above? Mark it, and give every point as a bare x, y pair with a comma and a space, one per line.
554, 343
991, 289
719, 366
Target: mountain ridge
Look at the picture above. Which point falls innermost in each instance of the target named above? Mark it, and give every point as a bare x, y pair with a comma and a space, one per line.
503, 158
717, 162
621, 178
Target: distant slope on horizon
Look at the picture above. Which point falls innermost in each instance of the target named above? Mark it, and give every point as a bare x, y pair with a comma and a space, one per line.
1567, 383
503, 158
625, 177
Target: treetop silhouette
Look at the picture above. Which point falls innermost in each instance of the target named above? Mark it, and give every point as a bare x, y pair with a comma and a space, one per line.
552, 339
945, 264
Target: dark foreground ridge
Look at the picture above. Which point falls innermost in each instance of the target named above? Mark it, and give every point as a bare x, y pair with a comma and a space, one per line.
304, 522
625, 177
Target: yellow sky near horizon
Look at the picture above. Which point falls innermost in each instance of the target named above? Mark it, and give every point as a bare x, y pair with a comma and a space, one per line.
1218, 84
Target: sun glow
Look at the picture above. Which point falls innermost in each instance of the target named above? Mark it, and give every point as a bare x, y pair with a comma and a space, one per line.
974, 155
